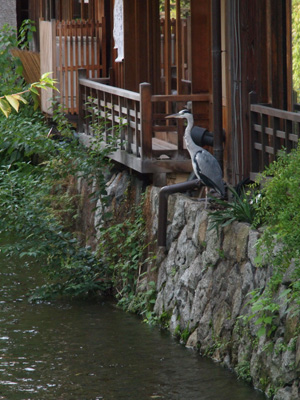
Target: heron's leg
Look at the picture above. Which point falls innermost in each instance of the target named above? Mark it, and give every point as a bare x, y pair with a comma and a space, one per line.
206, 191
202, 192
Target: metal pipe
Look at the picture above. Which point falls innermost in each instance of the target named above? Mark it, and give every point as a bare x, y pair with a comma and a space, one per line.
217, 81
163, 206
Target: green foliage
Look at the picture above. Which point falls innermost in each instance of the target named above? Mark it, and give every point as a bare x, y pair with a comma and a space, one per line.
278, 210
34, 206
26, 33
32, 175
11, 80
243, 371
123, 246
12, 86
184, 7
164, 319
7, 102
296, 46
266, 310
241, 209
279, 245
28, 193
182, 335
25, 212
142, 303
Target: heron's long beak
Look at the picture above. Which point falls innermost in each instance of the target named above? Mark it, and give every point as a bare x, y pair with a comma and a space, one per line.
172, 116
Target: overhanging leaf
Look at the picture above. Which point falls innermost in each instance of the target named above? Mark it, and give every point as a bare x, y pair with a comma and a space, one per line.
34, 90
5, 107
13, 102
20, 98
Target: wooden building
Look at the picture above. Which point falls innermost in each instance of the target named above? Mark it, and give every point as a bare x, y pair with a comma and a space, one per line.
143, 59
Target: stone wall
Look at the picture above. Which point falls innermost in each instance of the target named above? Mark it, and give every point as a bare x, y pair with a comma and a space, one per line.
203, 284
8, 13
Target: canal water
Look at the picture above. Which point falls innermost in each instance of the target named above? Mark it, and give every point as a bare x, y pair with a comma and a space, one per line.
93, 351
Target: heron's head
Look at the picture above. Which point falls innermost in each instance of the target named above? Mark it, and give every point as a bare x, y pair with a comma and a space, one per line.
181, 114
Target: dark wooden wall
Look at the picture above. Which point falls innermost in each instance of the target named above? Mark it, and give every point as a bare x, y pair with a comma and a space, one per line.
262, 61
141, 43
201, 58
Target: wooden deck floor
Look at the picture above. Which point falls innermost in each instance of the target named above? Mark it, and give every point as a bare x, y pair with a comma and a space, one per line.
159, 144
162, 164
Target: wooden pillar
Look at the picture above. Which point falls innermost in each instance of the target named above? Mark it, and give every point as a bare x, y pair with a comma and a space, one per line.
146, 120
130, 65
154, 45
81, 75
167, 48
201, 55
178, 49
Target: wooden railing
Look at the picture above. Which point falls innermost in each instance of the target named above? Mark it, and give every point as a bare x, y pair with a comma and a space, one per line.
271, 131
146, 137
79, 44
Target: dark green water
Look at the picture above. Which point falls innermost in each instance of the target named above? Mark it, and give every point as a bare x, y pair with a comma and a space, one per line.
84, 351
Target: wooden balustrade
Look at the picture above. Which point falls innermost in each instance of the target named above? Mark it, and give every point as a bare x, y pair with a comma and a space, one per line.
271, 131
147, 142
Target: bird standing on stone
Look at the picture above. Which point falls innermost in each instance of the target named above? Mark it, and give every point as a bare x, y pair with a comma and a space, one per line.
205, 165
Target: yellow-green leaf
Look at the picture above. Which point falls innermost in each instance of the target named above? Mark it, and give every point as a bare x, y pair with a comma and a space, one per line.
20, 98
13, 102
45, 75
5, 107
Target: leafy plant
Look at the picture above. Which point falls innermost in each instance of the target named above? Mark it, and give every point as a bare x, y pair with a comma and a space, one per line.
26, 31
11, 80
9, 101
266, 310
279, 245
239, 209
25, 211
30, 193
296, 46
12, 85
243, 371
123, 247
34, 205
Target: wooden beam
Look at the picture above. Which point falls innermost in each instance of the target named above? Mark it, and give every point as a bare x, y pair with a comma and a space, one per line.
130, 65
201, 56
167, 48
201, 48
178, 48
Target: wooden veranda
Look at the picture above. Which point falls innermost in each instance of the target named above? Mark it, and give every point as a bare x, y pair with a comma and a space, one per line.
148, 143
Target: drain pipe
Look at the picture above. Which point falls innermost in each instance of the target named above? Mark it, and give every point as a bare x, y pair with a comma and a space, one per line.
217, 81
163, 206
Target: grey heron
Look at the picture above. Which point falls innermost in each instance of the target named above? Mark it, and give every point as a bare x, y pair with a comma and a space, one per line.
205, 165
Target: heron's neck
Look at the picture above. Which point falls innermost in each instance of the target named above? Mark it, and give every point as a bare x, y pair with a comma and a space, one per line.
187, 133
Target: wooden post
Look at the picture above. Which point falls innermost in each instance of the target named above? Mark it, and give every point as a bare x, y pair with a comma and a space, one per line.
178, 47
253, 120
167, 51
275, 139
47, 57
81, 75
146, 120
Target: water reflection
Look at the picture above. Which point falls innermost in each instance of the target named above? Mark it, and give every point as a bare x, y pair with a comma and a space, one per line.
83, 351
